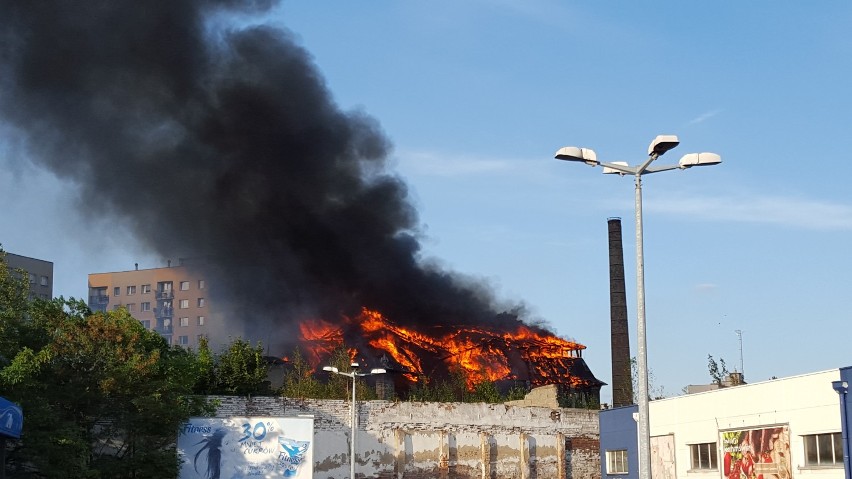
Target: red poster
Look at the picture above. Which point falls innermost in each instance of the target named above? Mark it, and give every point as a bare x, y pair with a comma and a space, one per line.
757, 453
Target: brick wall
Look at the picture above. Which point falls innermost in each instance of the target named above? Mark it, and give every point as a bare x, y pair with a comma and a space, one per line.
414, 440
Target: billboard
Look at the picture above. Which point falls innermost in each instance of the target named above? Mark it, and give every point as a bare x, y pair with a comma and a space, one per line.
11, 419
246, 447
759, 452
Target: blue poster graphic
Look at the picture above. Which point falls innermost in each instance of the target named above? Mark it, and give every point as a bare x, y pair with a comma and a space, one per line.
246, 447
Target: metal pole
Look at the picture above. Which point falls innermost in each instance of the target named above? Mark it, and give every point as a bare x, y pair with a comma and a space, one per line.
842, 389
354, 431
644, 432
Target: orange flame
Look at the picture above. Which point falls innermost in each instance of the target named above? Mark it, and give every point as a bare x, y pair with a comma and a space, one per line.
479, 352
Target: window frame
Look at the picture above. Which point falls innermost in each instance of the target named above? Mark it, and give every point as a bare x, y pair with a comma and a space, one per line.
145, 306
201, 320
835, 439
711, 452
146, 289
183, 285
183, 321
201, 302
183, 304
131, 290
616, 462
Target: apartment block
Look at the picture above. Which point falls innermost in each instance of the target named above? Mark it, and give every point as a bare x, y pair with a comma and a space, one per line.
38, 271
172, 301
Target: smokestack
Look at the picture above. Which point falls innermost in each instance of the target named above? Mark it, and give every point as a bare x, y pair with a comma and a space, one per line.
622, 384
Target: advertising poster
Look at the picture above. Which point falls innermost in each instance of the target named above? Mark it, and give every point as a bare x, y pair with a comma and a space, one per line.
756, 453
246, 447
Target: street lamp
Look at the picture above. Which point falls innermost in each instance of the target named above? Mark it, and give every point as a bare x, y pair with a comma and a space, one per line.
842, 388
354, 374
658, 147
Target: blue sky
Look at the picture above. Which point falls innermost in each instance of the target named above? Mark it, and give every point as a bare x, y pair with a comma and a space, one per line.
477, 96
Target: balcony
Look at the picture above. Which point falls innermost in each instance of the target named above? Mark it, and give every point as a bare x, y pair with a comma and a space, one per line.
163, 312
164, 330
99, 299
165, 294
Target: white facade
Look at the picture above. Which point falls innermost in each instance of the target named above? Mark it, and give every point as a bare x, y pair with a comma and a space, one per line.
767, 425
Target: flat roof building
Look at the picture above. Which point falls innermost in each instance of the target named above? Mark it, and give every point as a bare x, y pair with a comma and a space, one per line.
172, 301
39, 273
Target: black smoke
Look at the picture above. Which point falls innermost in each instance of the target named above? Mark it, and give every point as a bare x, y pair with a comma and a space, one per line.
224, 143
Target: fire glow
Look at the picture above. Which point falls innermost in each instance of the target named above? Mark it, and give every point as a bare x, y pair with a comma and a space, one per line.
480, 353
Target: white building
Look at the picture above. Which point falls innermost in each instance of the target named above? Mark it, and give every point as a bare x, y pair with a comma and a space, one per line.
778, 429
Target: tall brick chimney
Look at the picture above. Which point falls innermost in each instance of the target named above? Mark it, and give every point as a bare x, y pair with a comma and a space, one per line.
622, 384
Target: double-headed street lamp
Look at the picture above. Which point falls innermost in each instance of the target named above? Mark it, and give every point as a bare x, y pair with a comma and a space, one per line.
658, 147
354, 374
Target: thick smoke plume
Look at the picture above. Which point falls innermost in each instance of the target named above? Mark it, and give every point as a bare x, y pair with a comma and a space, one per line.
224, 144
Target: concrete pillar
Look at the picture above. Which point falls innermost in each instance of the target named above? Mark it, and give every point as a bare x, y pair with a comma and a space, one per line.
399, 463
561, 466
485, 454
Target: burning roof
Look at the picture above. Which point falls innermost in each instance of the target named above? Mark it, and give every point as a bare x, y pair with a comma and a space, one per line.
518, 353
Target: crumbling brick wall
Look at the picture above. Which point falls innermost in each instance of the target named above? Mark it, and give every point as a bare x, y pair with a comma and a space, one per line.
411, 440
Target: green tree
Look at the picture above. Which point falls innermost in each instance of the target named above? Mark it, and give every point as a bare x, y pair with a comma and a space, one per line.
654, 391
718, 370
299, 380
102, 395
240, 370
339, 386
485, 391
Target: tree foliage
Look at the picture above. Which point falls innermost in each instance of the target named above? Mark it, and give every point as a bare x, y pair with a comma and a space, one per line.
654, 391
718, 370
240, 370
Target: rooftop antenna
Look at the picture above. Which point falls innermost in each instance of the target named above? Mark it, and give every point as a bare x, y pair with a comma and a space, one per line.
740, 336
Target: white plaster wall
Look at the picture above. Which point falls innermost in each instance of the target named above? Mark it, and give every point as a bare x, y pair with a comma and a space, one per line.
806, 403
440, 440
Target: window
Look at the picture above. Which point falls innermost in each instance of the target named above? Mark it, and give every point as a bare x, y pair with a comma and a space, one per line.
44, 280
183, 340
32, 278
131, 290
131, 307
184, 322
116, 291
616, 461
703, 455
145, 306
146, 289
200, 302
823, 449
200, 284
184, 285
184, 303
116, 307
201, 320
146, 324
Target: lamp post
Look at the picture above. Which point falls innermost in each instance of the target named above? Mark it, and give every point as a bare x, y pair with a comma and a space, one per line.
658, 147
354, 419
842, 388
